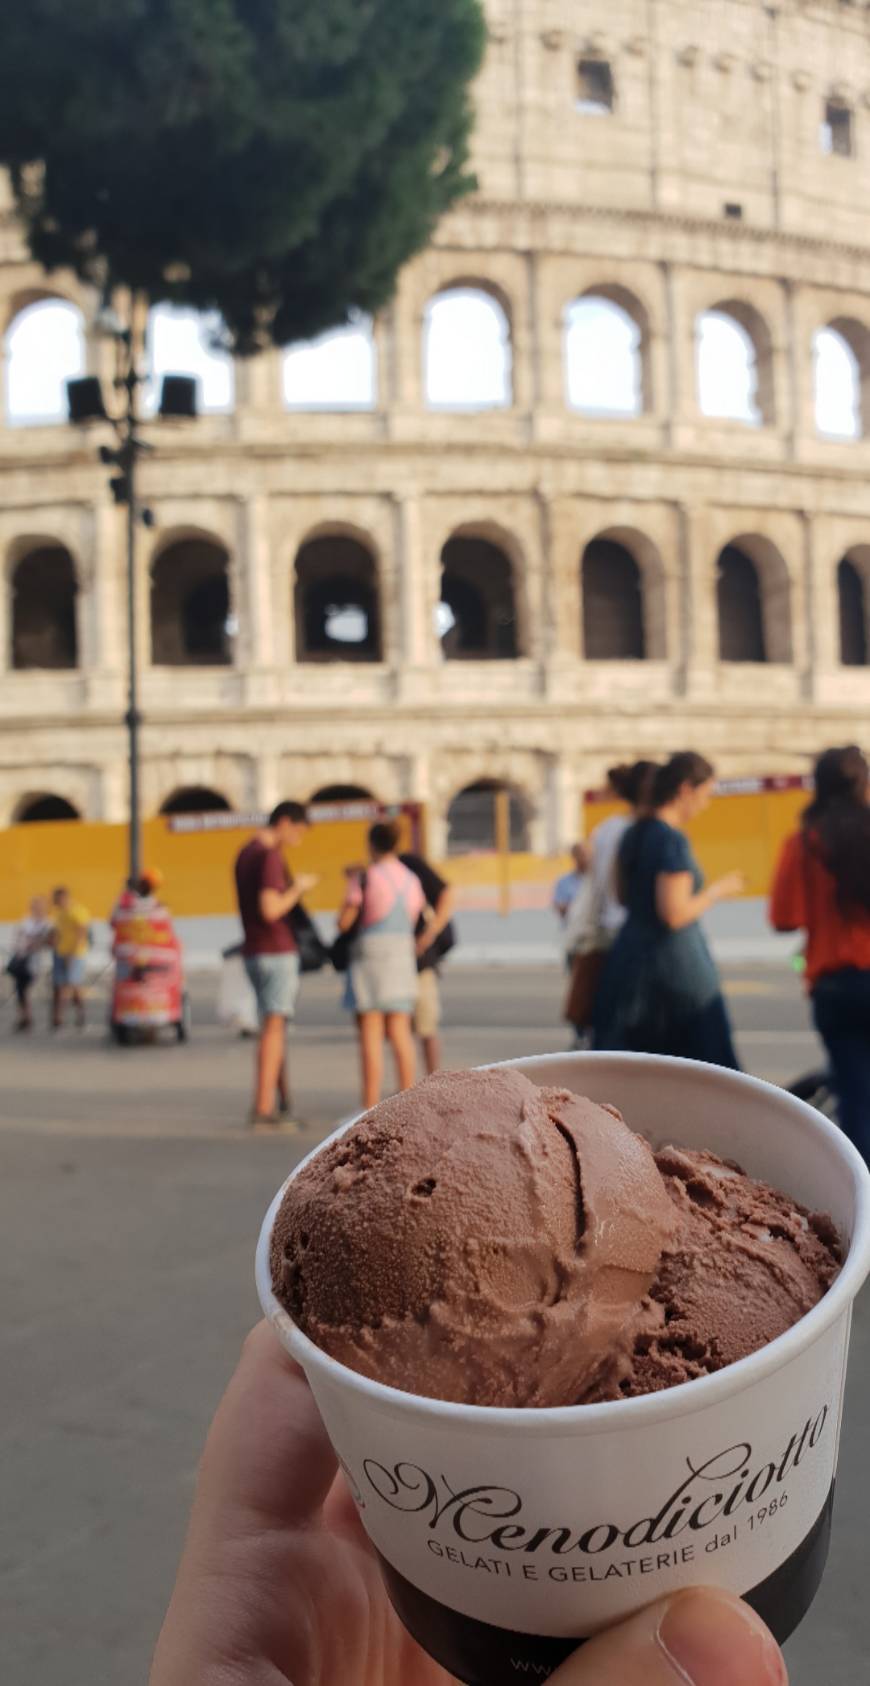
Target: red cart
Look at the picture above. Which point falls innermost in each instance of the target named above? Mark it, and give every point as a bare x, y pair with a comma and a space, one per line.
148, 993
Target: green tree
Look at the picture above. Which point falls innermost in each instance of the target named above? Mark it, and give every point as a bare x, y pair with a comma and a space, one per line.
274, 160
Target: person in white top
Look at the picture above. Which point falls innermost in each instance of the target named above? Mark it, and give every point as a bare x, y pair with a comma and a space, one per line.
31, 947
596, 913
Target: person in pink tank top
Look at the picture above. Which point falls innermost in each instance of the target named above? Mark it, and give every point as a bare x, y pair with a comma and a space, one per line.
382, 907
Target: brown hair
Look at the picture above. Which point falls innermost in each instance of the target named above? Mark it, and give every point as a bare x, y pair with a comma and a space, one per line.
384, 836
837, 823
633, 783
687, 767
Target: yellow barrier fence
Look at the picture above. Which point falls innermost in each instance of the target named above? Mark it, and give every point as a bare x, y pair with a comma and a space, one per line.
743, 829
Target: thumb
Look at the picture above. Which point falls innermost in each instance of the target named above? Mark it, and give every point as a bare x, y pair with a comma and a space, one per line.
696, 1638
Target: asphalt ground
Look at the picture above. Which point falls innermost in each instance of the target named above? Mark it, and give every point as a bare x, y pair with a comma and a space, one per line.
129, 1202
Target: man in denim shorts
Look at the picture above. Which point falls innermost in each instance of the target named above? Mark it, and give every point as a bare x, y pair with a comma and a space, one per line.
266, 896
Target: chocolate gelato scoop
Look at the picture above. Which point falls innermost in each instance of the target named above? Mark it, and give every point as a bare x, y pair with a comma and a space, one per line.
479, 1239
483, 1240
745, 1264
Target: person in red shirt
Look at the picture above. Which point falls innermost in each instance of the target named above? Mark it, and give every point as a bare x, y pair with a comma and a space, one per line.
266, 895
822, 886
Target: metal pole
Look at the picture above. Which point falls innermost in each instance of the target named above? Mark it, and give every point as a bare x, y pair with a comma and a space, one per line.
503, 846
133, 718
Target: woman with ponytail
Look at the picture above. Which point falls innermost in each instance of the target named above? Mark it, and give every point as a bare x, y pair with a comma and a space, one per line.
660, 993
822, 886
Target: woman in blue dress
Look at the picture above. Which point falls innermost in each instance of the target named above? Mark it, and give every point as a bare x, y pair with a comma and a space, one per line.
660, 992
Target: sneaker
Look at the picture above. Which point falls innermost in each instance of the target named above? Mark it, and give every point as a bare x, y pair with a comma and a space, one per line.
263, 1126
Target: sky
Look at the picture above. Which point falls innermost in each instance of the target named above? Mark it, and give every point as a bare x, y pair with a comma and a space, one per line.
466, 356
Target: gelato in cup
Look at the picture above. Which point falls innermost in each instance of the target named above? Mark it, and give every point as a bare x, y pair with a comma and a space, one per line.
509, 1535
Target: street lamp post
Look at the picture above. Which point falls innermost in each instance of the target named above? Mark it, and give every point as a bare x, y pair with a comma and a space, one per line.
127, 453
86, 404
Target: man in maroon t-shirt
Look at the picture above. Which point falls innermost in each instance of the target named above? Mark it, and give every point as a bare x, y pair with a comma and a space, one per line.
265, 896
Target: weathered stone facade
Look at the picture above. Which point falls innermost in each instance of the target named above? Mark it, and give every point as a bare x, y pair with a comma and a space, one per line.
705, 186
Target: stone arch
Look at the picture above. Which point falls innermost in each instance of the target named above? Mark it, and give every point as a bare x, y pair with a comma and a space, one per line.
853, 606
467, 348
734, 361
341, 793
753, 593
478, 612
45, 347
184, 341
336, 371
195, 799
623, 610
841, 378
336, 597
477, 617
190, 602
39, 806
606, 353
471, 818
43, 591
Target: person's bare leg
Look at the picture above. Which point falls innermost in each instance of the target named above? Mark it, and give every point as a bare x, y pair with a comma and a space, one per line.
57, 1000
79, 1005
431, 1048
283, 1084
371, 1053
270, 1057
401, 1040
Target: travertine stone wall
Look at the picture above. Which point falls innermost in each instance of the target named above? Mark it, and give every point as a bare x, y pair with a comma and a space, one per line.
714, 106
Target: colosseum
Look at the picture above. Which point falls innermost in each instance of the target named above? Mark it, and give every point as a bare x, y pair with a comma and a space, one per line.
582, 495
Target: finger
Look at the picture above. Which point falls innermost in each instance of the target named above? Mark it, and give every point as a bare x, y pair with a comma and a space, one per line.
267, 1461
697, 1638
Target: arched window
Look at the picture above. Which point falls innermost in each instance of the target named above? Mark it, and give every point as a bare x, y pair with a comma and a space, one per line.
734, 365
190, 605
852, 603
604, 357
45, 348
336, 601
44, 609
31, 810
477, 618
195, 799
471, 819
466, 351
338, 371
841, 368
612, 597
341, 793
187, 342
741, 615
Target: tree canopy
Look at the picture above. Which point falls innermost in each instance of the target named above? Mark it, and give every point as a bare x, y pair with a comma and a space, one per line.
274, 160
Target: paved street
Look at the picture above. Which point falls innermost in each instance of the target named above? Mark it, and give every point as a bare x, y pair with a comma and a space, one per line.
130, 1200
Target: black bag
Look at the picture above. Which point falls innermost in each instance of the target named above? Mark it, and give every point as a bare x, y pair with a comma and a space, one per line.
313, 952
339, 954
437, 950
18, 967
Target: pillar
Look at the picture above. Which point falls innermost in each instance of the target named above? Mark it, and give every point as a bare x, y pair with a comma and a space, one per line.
698, 628
416, 635
253, 586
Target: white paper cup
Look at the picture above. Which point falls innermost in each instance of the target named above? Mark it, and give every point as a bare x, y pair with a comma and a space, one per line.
506, 1537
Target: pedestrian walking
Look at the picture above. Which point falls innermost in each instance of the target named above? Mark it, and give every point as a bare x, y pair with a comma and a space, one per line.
822, 886
379, 915
596, 913
435, 937
660, 991
32, 942
568, 886
266, 894
72, 939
